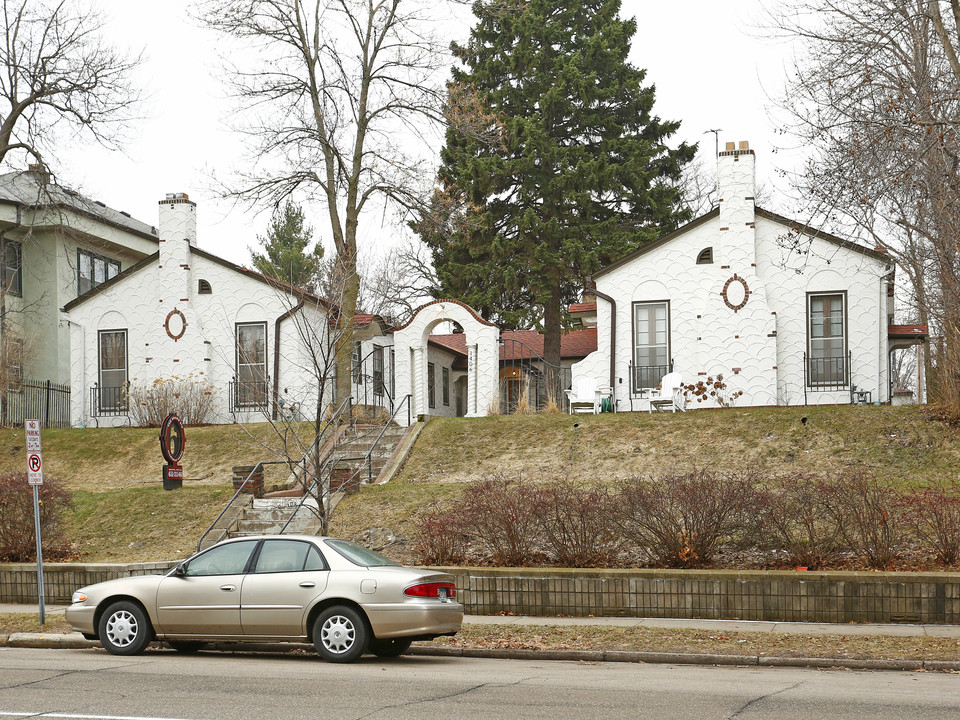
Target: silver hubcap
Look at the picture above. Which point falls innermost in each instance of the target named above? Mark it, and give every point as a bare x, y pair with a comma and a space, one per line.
338, 634
122, 628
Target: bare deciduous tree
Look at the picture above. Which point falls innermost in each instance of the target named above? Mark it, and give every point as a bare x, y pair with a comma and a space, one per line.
875, 100
334, 106
60, 77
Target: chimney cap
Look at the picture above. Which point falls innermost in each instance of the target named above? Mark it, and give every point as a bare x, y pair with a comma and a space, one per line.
177, 196
744, 144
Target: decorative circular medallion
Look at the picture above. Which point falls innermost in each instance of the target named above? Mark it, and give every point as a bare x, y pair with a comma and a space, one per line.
735, 293
175, 324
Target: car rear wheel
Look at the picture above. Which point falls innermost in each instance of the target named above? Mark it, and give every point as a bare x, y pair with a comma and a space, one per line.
390, 648
340, 634
124, 629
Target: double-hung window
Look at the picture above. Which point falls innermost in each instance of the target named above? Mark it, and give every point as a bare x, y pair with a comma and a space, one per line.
377, 362
251, 388
446, 385
827, 340
432, 384
11, 275
651, 343
93, 270
112, 390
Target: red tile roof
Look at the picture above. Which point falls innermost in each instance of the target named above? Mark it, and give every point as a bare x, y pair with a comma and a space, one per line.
907, 330
519, 344
583, 307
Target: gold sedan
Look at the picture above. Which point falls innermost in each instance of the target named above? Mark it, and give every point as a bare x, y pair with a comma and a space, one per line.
346, 598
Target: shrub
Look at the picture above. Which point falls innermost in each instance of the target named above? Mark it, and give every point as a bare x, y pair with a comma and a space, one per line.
794, 517
439, 538
680, 520
711, 388
933, 513
17, 533
498, 515
576, 523
190, 398
868, 515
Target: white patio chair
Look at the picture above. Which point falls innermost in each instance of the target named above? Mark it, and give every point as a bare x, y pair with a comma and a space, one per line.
668, 395
587, 396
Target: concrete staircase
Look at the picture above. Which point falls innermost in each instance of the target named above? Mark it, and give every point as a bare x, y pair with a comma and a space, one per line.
356, 443
266, 516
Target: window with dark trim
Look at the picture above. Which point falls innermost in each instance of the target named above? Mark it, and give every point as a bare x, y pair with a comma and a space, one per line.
705, 257
651, 343
377, 370
11, 276
112, 354
355, 362
251, 386
445, 374
12, 362
432, 384
827, 339
94, 270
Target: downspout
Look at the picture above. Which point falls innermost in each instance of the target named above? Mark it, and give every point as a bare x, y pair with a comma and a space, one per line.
613, 338
885, 331
276, 354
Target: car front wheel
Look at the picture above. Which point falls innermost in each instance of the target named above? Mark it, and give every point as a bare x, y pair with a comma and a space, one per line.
340, 634
389, 648
124, 629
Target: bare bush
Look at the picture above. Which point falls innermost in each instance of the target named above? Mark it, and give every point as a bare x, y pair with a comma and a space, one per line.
868, 514
681, 519
17, 533
576, 524
498, 515
439, 538
933, 513
191, 398
795, 519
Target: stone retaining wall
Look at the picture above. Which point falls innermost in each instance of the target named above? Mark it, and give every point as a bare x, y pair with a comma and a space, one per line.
836, 597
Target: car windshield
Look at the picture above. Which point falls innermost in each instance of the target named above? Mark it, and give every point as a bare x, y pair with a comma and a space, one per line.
359, 555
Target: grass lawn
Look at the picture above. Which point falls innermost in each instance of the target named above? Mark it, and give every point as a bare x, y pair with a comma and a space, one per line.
121, 514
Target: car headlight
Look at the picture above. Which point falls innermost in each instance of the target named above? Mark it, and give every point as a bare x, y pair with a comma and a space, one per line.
79, 597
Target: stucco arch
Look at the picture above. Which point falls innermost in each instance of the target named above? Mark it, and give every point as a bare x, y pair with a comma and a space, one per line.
483, 355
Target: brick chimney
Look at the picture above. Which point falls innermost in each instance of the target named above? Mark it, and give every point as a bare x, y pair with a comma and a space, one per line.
736, 181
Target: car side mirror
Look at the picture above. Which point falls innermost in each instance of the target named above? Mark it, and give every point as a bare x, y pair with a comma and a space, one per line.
180, 570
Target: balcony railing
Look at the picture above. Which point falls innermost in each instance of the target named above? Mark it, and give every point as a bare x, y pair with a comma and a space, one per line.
253, 395
647, 376
108, 401
830, 373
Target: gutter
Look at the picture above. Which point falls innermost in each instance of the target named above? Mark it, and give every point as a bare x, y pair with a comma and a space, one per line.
276, 353
613, 338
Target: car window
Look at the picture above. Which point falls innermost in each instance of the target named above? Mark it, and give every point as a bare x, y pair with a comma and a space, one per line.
314, 561
283, 556
358, 555
230, 559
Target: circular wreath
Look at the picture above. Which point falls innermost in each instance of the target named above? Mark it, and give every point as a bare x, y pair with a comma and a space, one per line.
746, 293
183, 324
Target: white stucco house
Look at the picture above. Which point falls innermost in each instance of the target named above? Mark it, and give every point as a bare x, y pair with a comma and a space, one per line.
787, 314
55, 245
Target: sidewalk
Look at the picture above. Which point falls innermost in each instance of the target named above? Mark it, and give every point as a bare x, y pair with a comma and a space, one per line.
74, 640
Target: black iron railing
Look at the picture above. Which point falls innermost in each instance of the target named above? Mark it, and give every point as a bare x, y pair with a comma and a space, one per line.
372, 379
252, 395
830, 373
647, 376
527, 381
41, 400
108, 401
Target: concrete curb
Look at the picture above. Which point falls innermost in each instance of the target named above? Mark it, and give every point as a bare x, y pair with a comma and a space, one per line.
76, 641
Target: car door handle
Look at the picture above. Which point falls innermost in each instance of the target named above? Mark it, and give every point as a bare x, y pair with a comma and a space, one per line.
308, 584
228, 588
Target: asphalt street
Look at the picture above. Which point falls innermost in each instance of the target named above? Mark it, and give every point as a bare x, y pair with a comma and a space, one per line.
89, 684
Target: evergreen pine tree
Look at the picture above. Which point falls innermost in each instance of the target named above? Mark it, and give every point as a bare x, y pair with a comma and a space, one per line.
285, 255
554, 164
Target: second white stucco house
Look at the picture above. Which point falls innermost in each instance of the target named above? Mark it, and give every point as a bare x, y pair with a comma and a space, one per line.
787, 314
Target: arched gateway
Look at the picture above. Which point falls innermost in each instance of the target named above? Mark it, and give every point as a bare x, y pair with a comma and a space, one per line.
483, 358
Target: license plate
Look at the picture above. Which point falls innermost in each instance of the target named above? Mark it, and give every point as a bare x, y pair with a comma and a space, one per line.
442, 593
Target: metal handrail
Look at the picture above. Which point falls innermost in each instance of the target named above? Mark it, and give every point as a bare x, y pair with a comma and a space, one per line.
369, 457
328, 466
361, 379
259, 466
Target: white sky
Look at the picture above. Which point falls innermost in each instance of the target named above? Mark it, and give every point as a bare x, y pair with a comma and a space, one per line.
705, 57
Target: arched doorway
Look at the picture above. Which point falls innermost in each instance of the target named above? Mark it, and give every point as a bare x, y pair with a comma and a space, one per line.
410, 346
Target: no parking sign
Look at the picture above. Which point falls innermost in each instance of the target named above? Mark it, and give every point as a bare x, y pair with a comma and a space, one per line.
34, 457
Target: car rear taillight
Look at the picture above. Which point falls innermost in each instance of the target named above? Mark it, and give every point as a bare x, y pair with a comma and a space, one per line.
440, 590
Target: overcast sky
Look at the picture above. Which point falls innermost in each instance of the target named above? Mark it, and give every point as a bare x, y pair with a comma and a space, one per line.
709, 64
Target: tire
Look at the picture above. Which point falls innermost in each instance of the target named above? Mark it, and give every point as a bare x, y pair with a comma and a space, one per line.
340, 634
124, 629
186, 646
390, 648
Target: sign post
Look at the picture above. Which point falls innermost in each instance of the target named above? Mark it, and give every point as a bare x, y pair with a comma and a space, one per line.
35, 478
172, 442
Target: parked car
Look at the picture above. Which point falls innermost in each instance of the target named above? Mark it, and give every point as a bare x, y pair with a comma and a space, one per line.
345, 598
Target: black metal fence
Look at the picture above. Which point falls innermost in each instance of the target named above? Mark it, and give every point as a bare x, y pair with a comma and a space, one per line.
41, 400
528, 383
647, 376
249, 395
108, 401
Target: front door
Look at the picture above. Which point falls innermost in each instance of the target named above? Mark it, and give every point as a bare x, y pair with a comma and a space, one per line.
206, 599
288, 575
